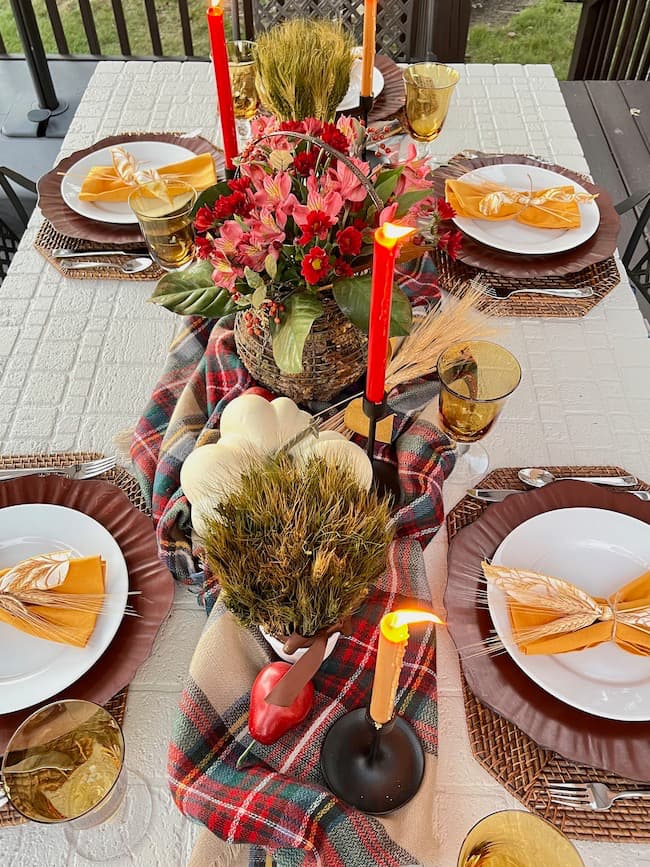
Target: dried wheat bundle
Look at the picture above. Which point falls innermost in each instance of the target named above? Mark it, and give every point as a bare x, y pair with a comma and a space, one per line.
303, 68
417, 355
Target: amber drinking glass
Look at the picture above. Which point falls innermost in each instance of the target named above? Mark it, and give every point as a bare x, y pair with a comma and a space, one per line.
513, 838
429, 88
65, 764
164, 211
476, 378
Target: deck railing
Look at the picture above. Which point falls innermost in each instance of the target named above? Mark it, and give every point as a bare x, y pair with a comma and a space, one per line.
613, 41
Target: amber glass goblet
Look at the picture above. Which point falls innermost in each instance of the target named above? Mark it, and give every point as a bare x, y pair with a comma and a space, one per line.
476, 379
164, 211
429, 88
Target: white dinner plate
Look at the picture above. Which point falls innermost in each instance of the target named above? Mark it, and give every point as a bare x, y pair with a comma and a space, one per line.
148, 154
34, 669
514, 237
599, 551
351, 98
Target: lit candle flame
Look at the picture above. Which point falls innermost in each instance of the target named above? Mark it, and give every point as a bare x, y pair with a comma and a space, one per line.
394, 626
390, 234
215, 7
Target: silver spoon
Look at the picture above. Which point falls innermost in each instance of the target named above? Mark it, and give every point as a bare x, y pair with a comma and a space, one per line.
133, 266
537, 478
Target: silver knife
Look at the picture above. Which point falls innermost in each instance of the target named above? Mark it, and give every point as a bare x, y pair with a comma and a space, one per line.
496, 495
492, 495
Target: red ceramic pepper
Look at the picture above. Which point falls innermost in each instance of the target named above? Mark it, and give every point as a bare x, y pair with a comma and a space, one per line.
268, 722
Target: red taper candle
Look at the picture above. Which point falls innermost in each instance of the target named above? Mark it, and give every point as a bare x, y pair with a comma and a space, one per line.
222, 79
387, 238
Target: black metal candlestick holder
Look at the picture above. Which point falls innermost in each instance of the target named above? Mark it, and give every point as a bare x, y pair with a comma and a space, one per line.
385, 475
376, 768
365, 106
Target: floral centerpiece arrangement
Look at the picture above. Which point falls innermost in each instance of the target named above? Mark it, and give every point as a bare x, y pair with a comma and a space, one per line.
296, 227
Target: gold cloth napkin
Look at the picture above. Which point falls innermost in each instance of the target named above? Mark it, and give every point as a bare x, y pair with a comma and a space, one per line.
115, 183
550, 615
552, 208
55, 575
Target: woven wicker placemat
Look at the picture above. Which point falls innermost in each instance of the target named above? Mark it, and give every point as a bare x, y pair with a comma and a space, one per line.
49, 239
514, 759
126, 482
602, 277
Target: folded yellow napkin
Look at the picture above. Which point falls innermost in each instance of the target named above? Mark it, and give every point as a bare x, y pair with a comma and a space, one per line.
26, 590
552, 208
550, 615
115, 183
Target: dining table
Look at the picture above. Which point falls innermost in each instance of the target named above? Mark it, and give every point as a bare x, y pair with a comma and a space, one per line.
79, 359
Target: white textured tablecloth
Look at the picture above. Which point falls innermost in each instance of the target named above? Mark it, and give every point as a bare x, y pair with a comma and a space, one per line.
78, 360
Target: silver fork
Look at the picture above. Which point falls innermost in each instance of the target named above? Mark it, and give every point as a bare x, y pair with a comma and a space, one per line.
85, 470
590, 796
491, 292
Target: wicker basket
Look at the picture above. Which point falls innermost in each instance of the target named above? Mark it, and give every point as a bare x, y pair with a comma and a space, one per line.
334, 356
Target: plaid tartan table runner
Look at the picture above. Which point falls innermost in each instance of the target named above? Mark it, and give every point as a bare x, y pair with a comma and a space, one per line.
281, 804
202, 374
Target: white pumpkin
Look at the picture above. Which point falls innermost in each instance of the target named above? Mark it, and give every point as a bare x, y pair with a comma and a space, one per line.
250, 426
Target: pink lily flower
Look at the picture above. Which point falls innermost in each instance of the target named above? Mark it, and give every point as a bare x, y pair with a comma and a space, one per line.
269, 228
225, 274
230, 235
273, 191
330, 203
415, 173
343, 180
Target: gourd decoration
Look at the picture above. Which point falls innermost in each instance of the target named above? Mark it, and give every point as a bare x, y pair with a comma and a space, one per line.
252, 428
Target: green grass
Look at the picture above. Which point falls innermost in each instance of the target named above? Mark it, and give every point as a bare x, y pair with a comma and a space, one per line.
136, 22
544, 33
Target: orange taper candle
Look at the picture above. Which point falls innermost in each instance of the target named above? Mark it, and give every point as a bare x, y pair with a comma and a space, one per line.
393, 637
222, 78
369, 38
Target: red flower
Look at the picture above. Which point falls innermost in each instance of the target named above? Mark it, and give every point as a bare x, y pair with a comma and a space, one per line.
334, 138
204, 219
445, 210
292, 126
239, 185
349, 241
343, 268
318, 225
236, 203
305, 161
315, 265
203, 247
451, 242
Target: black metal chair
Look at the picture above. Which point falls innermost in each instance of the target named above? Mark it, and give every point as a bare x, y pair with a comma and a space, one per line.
9, 237
636, 256
407, 30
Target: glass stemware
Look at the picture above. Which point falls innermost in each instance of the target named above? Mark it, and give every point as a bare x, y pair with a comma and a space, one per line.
241, 64
164, 211
65, 764
429, 88
476, 378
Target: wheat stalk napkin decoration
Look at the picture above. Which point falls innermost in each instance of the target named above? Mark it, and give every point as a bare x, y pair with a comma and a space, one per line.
551, 615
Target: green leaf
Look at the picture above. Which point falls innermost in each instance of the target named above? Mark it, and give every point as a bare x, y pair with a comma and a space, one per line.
353, 297
191, 292
386, 183
210, 196
271, 266
407, 200
258, 296
289, 338
253, 279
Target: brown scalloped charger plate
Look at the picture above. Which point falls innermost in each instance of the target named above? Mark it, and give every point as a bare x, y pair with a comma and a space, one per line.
599, 247
496, 680
391, 100
74, 225
134, 533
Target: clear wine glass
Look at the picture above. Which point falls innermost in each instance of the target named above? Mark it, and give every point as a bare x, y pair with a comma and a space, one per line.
476, 379
429, 88
242, 67
65, 764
